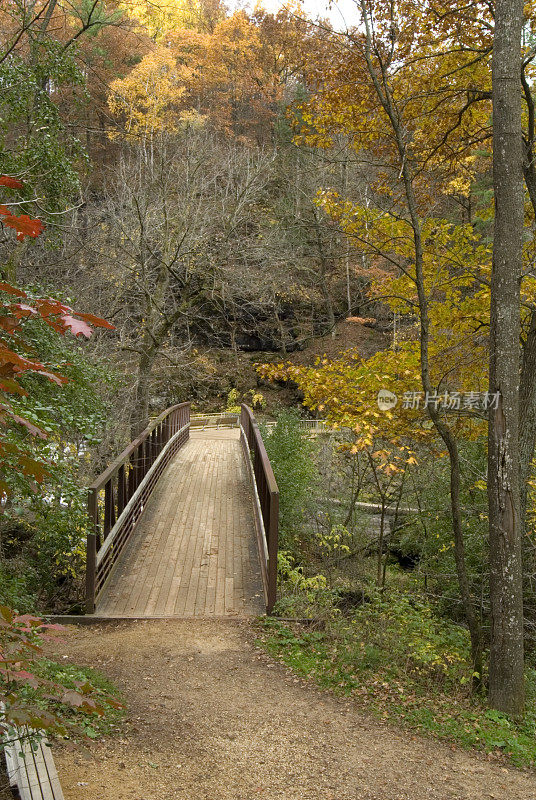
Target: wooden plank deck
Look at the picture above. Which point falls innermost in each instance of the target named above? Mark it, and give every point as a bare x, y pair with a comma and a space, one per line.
194, 552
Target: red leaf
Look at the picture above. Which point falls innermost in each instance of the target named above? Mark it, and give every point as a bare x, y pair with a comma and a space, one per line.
9, 289
34, 430
55, 325
97, 321
9, 324
26, 618
11, 386
24, 226
13, 183
77, 326
52, 626
52, 376
16, 362
23, 310
49, 307
5, 211
77, 700
25, 677
30, 468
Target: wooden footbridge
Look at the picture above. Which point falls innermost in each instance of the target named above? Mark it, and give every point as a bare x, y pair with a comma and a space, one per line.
185, 522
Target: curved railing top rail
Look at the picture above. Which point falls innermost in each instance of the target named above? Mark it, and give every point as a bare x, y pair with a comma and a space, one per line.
125, 456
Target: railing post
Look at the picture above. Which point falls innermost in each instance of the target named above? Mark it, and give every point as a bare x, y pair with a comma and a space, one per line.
138, 455
109, 507
187, 417
152, 445
131, 477
91, 550
146, 456
121, 489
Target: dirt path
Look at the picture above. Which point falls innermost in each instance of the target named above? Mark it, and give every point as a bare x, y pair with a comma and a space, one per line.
211, 718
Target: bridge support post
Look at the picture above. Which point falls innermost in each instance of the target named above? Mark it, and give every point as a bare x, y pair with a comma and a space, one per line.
91, 550
91, 567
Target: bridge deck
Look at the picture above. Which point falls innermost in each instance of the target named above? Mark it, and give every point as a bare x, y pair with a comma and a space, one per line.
194, 551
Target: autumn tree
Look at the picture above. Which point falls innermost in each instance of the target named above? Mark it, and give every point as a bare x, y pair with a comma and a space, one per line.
49, 69
160, 18
234, 74
413, 119
33, 139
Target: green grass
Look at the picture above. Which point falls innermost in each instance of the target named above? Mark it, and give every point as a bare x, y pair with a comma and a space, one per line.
79, 723
425, 688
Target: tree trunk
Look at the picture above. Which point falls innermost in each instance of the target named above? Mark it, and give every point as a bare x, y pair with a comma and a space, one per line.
506, 680
140, 413
323, 275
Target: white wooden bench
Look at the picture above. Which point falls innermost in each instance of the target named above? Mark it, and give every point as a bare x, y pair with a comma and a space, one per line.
30, 767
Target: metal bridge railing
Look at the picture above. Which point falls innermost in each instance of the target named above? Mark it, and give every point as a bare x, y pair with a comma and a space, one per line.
312, 425
266, 501
117, 499
222, 419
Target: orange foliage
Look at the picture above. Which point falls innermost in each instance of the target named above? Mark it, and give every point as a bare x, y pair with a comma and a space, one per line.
235, 75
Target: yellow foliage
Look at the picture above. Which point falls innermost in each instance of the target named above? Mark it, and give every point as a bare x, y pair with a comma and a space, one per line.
150, 95
434, 59
160, 17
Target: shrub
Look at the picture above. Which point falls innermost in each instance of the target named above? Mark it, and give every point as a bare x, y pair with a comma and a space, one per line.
291, 456
37, 692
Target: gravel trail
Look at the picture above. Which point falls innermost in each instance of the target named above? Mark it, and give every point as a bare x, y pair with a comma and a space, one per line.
212, 718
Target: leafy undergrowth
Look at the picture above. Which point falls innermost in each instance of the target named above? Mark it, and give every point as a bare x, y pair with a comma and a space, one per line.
77, 722
403, 664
